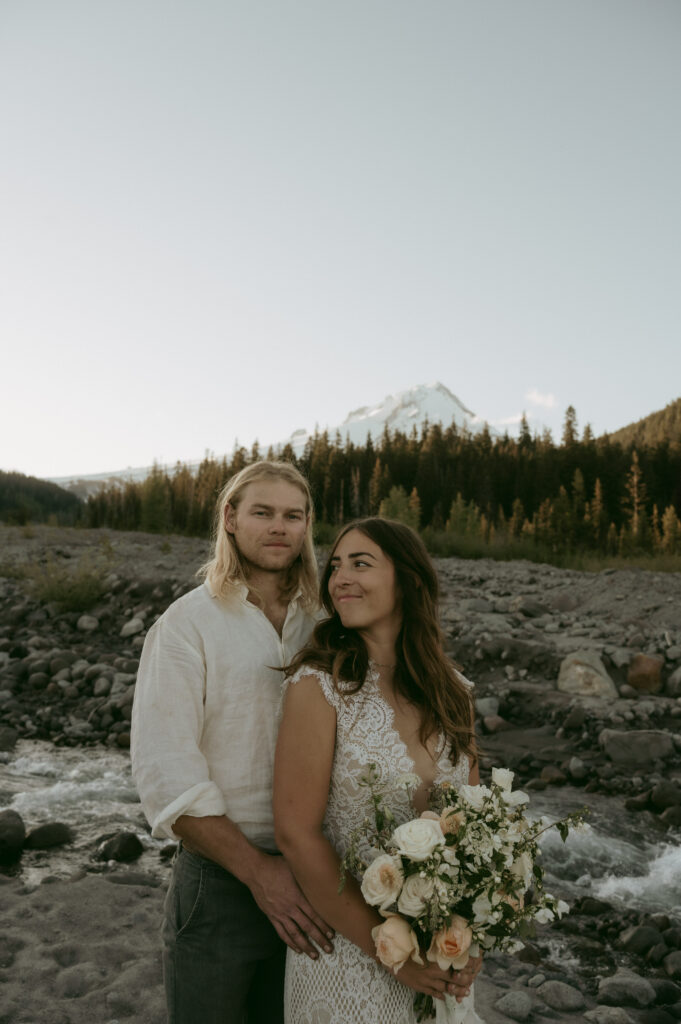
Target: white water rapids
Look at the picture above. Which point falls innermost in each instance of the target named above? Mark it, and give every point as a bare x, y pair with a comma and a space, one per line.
619, 858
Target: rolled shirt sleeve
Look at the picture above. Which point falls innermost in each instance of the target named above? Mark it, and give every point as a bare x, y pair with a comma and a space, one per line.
204, 721
171, 772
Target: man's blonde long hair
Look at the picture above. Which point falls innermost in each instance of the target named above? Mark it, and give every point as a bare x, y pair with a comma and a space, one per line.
225, 571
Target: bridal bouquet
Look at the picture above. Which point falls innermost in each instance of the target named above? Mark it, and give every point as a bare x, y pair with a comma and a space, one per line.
453, 882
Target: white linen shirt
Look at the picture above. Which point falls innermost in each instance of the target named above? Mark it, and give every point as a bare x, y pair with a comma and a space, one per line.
205, 714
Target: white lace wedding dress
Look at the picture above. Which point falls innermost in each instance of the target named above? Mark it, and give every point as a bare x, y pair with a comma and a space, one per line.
347, 986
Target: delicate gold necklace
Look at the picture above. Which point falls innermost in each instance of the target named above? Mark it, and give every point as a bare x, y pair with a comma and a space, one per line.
378, 664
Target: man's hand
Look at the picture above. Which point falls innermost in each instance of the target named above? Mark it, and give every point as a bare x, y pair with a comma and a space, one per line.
276, 892
460, 986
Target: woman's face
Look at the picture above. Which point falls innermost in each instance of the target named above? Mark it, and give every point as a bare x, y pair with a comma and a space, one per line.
362, 584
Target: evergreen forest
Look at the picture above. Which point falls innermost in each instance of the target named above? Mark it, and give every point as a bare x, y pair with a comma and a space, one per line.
469, 494
25, 499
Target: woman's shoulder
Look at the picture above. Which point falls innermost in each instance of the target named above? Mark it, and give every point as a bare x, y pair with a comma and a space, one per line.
323, 679
334, 694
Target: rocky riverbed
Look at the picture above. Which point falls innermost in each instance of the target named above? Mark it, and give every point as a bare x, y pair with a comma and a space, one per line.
578, 690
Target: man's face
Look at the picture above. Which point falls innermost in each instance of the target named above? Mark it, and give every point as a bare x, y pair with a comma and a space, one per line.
269, 524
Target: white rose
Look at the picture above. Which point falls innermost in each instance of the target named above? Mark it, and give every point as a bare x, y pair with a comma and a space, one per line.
562, 908
522, 868
415, 892
417, 839
382, 881
516, 798
474, 796
503, 778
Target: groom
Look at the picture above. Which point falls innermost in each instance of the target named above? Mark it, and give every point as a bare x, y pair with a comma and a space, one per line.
203, 736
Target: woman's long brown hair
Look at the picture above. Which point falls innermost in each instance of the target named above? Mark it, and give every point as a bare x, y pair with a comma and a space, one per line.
424, 675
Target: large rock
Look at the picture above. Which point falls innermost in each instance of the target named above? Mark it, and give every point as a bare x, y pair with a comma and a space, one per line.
673, 687
584, 673
665, 794
672, 965
12, 836
636, 747
8, 737
132, 627
560, 996
516, 1004
123, 847
608, 1015
639, 939
624, 988
87, 623
645, 673
52, 833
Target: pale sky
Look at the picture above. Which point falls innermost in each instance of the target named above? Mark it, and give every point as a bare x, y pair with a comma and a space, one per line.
231, 220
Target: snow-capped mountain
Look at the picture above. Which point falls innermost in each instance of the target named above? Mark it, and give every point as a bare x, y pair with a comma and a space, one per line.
434, 403
402, 411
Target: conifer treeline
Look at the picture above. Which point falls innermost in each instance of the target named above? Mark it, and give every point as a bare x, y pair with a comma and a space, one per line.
585, 493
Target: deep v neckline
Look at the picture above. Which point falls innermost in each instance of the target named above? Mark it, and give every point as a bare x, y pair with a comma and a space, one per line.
425, 785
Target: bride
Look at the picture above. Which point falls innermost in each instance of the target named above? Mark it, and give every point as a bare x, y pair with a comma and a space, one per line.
373, 686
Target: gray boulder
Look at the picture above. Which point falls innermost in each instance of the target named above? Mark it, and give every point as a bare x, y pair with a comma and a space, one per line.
624, 988
52, 833
487, 706
636, 747
608, 1015
8, 737
560, 996
585, 674
672, 964
12, 836
639, 939
87, 624
133, 626
516, 1004
665, 794
673, 687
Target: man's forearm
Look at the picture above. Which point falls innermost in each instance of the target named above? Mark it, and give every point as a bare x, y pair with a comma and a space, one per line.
220, 840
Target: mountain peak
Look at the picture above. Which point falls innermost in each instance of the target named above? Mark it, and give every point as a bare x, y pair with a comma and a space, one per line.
402, 411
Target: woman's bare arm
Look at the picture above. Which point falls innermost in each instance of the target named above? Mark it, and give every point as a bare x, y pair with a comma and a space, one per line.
302, 774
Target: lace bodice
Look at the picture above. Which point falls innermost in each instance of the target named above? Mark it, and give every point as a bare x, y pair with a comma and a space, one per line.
348, 987
366, 734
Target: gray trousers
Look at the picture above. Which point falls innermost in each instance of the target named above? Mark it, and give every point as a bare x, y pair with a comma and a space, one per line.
223, 962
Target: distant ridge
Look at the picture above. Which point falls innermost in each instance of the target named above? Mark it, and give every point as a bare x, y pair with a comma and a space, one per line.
664, 425
402, 411
432, 403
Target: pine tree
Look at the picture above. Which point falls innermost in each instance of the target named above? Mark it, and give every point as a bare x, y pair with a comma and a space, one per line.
634, 503
515, 524
570, 427
671, 531
415, 508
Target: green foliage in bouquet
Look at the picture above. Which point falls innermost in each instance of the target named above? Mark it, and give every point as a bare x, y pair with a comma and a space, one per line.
465, 876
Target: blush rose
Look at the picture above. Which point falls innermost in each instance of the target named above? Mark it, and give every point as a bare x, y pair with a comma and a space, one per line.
450, 946
395, 943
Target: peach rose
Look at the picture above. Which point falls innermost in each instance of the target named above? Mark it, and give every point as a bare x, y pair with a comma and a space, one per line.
451, 820
450, 946
430, 815
395, 943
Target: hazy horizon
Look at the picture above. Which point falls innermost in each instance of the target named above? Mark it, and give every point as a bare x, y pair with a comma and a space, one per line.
232, 221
